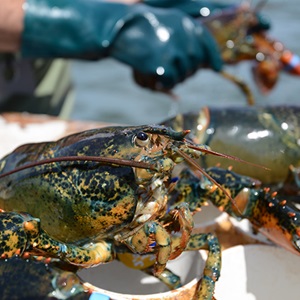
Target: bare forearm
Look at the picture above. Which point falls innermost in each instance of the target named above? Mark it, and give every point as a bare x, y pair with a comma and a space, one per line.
11, 25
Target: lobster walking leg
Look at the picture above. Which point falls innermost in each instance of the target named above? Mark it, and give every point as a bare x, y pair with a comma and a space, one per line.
211, 272
171, 280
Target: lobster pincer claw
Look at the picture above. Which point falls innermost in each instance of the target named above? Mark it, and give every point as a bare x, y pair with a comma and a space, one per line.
277, 219
21, 234
14, 231
243, 198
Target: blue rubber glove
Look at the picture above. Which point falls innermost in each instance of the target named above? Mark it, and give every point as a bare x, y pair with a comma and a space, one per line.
205, 8
163, 46
194, 8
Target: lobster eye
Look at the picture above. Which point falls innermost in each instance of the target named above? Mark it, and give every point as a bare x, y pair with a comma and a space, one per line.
141, 139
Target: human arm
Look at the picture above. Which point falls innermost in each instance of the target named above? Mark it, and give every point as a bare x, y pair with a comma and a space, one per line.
166, 45
11, 25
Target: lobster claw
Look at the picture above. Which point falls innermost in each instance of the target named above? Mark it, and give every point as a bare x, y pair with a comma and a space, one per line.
277, 218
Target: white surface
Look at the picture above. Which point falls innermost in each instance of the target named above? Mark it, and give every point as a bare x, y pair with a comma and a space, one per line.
251, 272
258, 272
209, 216
116, 277
246, 228
13, 135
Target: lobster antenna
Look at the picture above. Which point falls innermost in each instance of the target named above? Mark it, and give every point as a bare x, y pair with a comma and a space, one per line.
105, 160
202, 171
208, 151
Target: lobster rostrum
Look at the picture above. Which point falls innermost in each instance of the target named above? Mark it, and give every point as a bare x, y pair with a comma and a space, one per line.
240, 37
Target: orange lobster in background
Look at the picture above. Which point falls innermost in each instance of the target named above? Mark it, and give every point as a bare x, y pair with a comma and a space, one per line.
239, 37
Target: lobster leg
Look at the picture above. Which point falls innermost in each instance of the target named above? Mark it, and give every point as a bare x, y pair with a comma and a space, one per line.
171, 280
20, 234
211, 272
145, 263
197, 241
212, 268
153, 236
148, 238
181, 220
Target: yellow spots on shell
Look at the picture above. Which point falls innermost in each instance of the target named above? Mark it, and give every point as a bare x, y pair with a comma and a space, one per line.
12, 243
84, 150
31, 226
123, 209
109, 148
51, 153
116, 216
2, 164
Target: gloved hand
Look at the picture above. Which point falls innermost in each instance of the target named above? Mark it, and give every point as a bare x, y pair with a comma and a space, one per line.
165, 46
195, 8
205, 8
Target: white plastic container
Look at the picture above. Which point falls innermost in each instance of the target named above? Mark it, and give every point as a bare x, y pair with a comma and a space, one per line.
258, 272
120, 282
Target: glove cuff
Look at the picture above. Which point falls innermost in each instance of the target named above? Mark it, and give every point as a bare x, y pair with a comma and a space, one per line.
70, 29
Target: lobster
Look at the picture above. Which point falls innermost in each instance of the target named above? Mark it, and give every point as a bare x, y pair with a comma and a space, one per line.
241, 38
268, 136
83, 198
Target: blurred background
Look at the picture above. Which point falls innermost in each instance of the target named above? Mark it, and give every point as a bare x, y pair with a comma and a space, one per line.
105, 90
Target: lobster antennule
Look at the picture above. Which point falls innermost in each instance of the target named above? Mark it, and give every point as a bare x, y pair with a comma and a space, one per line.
106, 160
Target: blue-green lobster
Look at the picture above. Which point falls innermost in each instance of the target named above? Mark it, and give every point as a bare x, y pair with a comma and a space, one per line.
93, 196
268, 136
